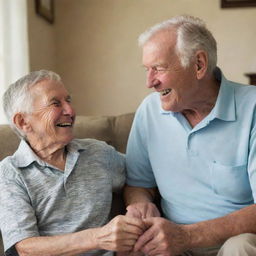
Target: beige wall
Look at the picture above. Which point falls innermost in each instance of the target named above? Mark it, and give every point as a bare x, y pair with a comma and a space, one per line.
42, 41
96, 46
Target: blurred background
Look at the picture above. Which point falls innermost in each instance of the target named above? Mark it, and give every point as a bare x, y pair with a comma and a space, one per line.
92, 44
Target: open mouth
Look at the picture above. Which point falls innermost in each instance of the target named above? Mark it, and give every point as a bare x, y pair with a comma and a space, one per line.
64, 125
165, 92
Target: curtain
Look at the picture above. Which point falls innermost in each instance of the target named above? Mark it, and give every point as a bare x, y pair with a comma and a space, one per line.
14, 56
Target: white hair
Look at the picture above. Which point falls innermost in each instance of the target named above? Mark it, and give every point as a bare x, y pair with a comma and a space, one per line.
192, 35
18, 99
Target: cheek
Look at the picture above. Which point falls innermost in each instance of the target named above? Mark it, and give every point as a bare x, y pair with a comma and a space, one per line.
167, 80
49, 118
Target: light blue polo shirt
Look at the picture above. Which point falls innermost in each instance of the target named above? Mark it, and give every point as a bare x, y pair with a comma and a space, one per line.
203, 172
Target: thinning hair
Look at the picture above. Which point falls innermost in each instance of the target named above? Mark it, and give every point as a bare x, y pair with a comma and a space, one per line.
192, 35
18, 99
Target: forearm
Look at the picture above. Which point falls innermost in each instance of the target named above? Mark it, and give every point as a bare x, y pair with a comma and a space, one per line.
62, 245
137, 194
216, 231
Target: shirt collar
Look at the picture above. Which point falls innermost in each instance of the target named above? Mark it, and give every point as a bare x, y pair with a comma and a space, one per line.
224, 108
24, 156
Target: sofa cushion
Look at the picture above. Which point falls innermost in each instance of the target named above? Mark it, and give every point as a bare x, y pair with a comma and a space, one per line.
96, 127
121, 129
9, 141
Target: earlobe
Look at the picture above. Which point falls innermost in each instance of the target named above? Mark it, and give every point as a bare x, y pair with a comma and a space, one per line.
21, 123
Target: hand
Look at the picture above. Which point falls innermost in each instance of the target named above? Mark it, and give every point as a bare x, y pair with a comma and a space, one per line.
120, 234
130, 253
142, 210
163, 238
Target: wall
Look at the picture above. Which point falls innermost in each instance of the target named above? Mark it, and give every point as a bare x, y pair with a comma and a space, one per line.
42, 41
98, 57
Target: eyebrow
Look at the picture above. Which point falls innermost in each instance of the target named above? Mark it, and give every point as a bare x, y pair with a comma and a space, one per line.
56, 99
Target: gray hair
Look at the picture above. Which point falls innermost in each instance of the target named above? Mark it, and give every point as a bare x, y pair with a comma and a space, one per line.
18, 99
192, 35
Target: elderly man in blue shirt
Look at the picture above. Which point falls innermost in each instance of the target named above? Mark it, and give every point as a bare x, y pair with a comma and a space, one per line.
194, 141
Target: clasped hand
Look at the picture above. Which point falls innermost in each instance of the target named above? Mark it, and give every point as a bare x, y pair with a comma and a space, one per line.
160, 236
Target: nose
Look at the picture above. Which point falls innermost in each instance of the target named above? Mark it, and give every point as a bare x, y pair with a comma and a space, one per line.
68, 109
152, 80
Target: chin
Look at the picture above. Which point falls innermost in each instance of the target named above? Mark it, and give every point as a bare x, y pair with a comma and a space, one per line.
168, 107
171, 105
66, 140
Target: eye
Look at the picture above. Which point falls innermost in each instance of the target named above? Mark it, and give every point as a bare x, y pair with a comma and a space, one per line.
160, 69
69, 100
56, 103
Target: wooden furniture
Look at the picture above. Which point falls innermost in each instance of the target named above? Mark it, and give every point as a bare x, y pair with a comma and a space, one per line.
252, 78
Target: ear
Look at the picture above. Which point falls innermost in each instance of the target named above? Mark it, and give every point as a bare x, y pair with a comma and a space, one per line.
201, 64
21, 122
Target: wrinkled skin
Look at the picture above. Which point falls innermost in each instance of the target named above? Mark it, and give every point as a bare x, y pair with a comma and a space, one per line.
141, 211
121, 233
51, 107
162, 237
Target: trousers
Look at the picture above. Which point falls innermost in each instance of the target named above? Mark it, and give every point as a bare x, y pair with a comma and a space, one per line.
241, 245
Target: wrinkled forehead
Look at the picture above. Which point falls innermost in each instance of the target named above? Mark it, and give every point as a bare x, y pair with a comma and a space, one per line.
47, 89
161, 46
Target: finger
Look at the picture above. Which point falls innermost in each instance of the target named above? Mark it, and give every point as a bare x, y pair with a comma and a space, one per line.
143, 240
133, 212
135, 222
153, 252
147, 248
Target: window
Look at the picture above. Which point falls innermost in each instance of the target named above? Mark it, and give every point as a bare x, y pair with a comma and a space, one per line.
14, 59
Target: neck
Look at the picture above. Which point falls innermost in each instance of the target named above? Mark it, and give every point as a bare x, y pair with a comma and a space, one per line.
204, 101
54, 154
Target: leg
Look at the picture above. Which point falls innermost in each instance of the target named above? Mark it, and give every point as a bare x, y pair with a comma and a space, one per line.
241, 245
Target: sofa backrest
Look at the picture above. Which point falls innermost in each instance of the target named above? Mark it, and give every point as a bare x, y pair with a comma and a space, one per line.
112, 129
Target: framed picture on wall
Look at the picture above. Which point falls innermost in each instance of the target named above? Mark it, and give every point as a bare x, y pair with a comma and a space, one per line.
237, 3
45, 8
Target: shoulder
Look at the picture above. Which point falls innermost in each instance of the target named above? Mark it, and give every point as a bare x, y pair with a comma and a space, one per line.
244, 92
8, 171
93, 146
150, 106
87, 143
99, 151
151, 101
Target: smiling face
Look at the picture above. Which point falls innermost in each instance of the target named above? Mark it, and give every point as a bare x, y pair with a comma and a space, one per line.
177, 85
51, 121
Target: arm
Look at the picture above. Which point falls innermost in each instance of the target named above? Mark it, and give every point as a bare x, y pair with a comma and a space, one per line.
120, 234
165, 236
139, 202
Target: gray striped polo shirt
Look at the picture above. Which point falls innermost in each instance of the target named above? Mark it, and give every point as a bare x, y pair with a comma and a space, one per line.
39, 200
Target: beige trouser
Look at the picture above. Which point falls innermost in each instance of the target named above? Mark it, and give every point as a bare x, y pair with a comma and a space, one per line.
241, 245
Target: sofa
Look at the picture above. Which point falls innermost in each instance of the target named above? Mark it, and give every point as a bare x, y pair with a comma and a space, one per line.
112, 129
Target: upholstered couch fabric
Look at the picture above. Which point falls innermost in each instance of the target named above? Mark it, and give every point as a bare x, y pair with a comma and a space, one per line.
112, 129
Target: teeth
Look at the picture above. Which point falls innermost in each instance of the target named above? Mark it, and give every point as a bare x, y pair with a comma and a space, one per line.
64, 124
165, 91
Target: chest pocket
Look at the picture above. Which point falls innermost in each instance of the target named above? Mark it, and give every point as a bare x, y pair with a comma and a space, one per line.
231, 182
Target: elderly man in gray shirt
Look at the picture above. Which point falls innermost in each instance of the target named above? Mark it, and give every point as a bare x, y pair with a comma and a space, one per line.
56, 191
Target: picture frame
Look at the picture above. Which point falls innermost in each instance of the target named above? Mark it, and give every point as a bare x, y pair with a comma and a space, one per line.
237, 3
45, 9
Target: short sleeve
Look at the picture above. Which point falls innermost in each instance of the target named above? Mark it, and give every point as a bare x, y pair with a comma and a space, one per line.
139, 170
252, 160
17, 217
117, 169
